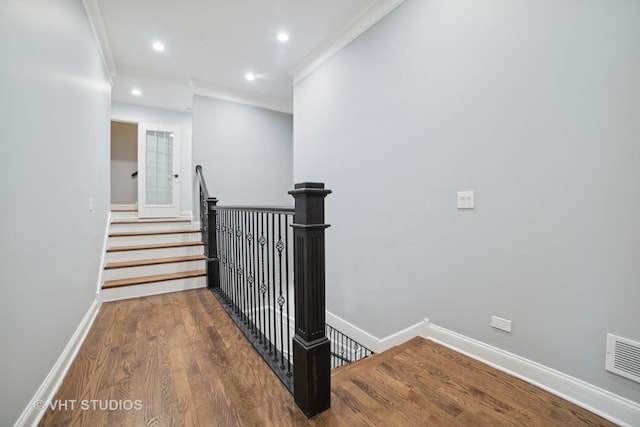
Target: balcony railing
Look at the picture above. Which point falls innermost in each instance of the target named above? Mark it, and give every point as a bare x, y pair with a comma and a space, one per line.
265, 265
345, 350
256, 279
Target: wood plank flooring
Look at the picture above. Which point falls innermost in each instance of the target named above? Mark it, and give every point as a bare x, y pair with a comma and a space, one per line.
182, 357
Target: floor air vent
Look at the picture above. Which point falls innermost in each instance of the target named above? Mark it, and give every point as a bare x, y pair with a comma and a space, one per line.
623, 357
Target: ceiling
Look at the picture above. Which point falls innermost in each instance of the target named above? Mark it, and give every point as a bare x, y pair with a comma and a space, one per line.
211, 44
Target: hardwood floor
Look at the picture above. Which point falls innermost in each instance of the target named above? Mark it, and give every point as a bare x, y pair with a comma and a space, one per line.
181, 361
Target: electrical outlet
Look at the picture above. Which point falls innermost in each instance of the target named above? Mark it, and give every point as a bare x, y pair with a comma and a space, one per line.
500, 323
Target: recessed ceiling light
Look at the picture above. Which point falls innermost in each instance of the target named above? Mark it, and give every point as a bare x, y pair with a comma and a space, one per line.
159, 46
136, 92
250, 76
283, 37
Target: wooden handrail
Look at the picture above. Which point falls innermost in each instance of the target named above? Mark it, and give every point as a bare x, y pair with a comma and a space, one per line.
203, 184
285, 210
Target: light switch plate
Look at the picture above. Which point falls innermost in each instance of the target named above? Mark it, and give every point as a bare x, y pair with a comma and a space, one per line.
466, 200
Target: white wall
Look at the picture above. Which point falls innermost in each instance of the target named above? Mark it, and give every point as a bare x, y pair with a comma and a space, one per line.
54, 116
124, 162
245, 152
138, 114
536, 107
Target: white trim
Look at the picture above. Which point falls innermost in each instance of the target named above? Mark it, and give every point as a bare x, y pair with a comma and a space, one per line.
186, 215
616, 409
104, 253
31, 416
378, 345
219, 92
342, 38
130, 207
144, 290
99, 31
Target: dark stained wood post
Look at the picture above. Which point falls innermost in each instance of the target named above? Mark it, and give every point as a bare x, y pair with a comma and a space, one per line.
311, 348
211, 244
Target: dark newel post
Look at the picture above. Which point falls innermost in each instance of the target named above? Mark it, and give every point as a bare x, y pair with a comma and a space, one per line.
311, 348
211, 245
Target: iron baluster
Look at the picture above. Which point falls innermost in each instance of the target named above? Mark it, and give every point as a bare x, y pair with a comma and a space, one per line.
286, 260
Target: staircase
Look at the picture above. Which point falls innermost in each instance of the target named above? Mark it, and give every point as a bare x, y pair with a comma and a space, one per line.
151, 256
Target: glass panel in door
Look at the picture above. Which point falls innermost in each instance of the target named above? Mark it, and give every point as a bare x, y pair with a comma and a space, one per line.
159, 168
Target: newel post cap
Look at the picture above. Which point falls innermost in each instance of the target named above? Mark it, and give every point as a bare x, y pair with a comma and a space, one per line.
316, 188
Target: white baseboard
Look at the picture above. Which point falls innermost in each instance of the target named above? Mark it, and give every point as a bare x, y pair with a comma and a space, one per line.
186, 215
104, 253
145, 290
31, 416
377, 345
615, 408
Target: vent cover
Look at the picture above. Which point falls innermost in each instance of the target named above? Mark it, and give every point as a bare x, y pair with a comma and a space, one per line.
623, 357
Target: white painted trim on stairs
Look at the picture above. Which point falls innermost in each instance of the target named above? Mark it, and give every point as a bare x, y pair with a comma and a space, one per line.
156, 288
182, 214
342, 38
99, 31
377, 345
616, 409
131, 207
105, 241
31, 416
186, 215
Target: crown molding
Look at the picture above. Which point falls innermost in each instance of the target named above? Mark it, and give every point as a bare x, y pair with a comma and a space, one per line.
342, 38
226, 94
100, 33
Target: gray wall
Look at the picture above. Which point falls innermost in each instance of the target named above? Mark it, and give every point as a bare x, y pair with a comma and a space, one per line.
124, 162
159, 116
54, 116
533, 105
245, 152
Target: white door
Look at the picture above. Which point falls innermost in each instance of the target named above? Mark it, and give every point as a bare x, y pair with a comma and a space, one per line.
158, 171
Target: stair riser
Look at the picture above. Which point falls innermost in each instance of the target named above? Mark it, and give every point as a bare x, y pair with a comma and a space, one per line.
153, 253
151, 226
124, 215
153, 239
136, 291
148, 270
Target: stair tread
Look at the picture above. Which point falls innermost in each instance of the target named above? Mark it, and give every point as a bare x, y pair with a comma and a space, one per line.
152, 233
152, 279
152, 246
148, 220
154, 261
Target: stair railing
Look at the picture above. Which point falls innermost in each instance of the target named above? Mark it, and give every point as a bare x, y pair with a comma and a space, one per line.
261, 273
344, 349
